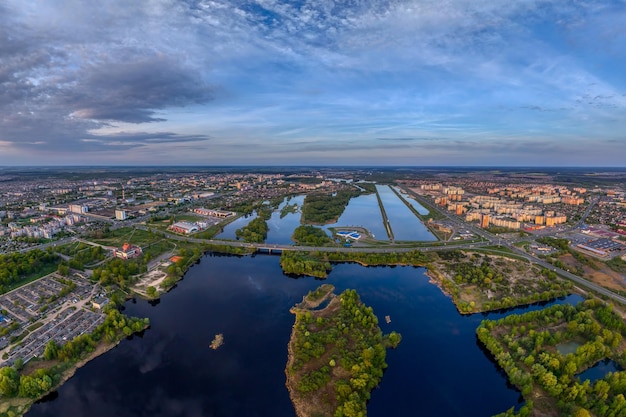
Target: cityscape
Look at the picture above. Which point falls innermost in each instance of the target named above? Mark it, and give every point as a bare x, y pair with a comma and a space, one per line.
78, 243
304, 208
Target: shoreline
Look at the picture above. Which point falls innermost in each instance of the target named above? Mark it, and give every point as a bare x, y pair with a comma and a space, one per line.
26, 403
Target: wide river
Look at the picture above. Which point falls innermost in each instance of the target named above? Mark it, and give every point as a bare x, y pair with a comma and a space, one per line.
438, 370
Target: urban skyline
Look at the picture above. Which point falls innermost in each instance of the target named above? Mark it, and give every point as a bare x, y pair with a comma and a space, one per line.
408, 83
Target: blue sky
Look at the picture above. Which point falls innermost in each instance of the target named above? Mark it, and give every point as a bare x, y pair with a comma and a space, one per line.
316, 82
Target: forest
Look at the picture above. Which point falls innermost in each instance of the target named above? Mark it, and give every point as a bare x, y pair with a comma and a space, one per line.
528, 348
337, 356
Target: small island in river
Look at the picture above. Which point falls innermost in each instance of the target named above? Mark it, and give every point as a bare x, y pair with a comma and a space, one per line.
336, 354
218, 341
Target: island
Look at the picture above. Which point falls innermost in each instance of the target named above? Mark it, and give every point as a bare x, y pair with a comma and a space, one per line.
218, 341
336, 354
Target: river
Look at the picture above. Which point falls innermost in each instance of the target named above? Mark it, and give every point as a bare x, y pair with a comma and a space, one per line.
438, 369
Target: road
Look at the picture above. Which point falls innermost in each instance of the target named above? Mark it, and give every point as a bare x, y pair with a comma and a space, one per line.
531, 258
490, 239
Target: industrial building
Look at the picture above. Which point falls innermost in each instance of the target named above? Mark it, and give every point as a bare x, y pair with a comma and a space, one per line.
184, 228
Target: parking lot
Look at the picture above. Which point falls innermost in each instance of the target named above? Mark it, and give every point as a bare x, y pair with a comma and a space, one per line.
51, 308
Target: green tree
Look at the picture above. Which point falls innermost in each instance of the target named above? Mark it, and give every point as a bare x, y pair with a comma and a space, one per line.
51, 351
9, 381
152, 292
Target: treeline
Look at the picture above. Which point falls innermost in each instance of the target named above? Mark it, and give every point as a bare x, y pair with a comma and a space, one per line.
311, 236
323, 208
14, 383
526, 347
351, 339
415, 258
317, 263
18, 266
303, 263
288, 208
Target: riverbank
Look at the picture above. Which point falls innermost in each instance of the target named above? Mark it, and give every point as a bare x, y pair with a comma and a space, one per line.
19, 406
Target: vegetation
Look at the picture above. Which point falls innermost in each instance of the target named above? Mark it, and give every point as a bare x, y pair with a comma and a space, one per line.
326, 208
617, 264
304, 263
561, 244
336, 355
82, 255
311, 236
119, 271
415, 258
256, 230
35, 381
288, 208
20, 268
527, 348
317, 263
482, 283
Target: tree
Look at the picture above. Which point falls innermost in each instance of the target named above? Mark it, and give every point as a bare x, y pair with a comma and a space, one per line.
581, 412
52, 351
152, 292
9, 381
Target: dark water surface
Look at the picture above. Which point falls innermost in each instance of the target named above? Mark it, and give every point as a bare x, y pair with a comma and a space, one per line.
438, 369
600, 370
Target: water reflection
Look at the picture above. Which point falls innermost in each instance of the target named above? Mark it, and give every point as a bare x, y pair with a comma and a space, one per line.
438, 369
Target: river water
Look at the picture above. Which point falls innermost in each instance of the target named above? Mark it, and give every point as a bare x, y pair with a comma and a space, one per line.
404, 223
439, 368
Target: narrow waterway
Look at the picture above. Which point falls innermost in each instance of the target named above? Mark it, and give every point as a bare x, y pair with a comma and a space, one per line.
404, 223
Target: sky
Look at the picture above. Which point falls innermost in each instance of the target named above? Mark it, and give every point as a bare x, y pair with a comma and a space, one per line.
313, 82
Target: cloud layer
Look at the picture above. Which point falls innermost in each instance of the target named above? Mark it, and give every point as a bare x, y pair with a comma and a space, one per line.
319, 81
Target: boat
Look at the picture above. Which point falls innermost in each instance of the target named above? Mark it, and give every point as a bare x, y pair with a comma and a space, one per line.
218, 341
388, 319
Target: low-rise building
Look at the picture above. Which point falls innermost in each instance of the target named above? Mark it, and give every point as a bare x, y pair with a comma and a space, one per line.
127, 251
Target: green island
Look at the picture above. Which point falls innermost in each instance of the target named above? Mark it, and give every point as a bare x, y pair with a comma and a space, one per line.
322, 208
287, 209
336, 354
311, 236
256, 230
543, 353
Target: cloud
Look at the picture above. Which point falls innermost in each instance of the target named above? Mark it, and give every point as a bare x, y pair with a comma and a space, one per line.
343, 76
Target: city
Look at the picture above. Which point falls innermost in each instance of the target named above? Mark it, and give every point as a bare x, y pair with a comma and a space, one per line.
305, 208
135, 237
